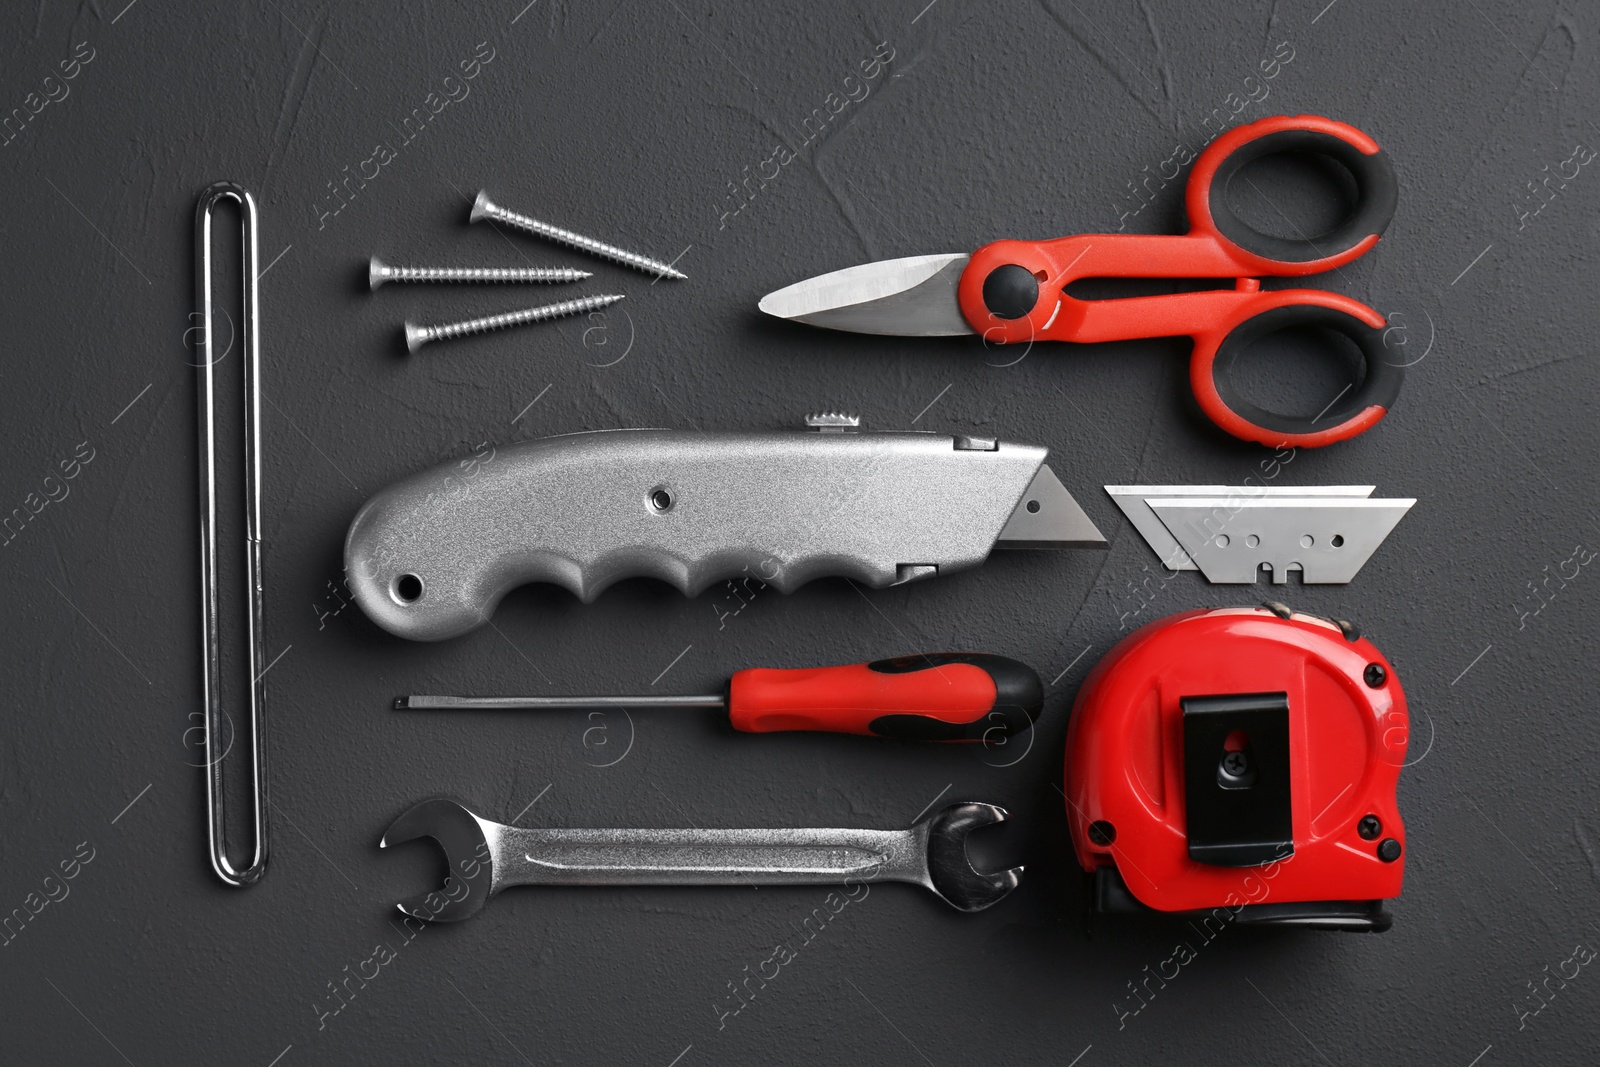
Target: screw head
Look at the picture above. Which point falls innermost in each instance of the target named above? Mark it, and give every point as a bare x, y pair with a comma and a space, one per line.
482, 207
1236, 764
416, 336
1389, 850
1369, 827
1375, 675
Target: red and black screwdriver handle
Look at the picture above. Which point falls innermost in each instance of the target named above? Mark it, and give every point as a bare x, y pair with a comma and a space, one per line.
1013, 291
940, 696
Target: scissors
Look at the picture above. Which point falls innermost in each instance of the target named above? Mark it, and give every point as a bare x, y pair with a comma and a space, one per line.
1014, 291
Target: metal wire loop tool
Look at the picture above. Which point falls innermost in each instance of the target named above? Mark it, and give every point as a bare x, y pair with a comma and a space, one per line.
219, 738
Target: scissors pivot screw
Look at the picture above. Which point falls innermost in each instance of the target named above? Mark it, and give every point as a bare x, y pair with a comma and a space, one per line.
1010, 291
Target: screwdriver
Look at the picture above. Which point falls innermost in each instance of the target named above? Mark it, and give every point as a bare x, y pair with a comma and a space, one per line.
939, 696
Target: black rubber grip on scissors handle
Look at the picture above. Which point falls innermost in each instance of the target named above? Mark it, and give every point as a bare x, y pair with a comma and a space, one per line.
1377, 192
1378, 386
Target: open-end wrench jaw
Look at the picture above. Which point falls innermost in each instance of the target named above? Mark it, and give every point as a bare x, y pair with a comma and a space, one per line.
953, 877
469, 845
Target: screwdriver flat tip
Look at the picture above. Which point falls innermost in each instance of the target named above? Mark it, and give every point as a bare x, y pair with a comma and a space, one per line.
484, 208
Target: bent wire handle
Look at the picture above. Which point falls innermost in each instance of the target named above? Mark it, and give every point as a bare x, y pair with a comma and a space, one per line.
210, 652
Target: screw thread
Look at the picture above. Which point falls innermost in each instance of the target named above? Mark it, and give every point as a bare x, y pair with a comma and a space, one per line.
486, 274
528, 224
446, 331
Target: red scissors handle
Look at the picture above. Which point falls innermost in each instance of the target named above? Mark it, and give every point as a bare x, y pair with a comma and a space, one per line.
1015, 290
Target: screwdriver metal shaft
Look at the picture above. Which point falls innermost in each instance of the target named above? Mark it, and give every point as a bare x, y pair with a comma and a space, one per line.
439, 703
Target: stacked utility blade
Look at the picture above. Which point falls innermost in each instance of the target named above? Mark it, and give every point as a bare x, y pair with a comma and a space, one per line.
1231, 533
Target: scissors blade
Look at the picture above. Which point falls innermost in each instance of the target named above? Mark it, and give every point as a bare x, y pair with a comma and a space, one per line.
912, 297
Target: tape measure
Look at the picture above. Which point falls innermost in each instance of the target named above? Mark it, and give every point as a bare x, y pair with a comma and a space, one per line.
1243, 759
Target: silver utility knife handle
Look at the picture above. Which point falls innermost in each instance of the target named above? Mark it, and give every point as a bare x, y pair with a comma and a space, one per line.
431, 556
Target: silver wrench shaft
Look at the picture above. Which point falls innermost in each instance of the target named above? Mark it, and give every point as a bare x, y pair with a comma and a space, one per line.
713, 857
484, 857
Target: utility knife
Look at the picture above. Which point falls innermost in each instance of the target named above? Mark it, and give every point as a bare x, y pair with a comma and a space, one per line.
431, 557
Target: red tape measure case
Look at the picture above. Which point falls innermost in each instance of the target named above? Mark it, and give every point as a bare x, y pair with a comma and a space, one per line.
1241, 758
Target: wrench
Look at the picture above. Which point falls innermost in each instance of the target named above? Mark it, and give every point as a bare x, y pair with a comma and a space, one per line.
485, 857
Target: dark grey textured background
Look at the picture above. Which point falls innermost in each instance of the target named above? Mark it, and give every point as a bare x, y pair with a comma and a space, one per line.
629, 120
